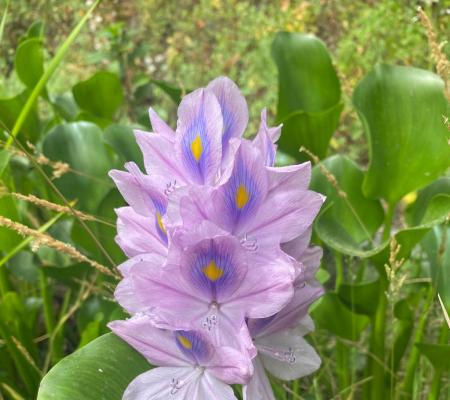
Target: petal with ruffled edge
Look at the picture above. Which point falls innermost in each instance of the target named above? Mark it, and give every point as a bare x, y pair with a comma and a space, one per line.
178, 383
266, 138
159, 126
287, 355
295, 311
285, 215
154, 287
231, 366
267, 288
233, 107
259, 386
158, 346
296, 247
199, 131
137, 234
291, 177
159, 157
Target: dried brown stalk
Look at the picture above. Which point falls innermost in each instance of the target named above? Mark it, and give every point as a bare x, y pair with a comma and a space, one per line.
42, 239
442, 64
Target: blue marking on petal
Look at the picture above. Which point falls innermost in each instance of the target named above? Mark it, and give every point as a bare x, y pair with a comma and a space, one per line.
196, 148
193, 345
212, 269
160, 210
242, 195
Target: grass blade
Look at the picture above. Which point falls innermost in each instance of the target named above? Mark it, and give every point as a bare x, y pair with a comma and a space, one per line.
54, 63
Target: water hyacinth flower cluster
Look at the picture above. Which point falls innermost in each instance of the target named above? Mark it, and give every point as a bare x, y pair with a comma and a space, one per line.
220, 273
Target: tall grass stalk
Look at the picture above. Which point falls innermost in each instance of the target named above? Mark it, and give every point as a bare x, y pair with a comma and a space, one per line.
53, 65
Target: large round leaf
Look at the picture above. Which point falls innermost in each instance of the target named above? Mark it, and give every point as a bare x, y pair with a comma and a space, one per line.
335, 236
401, 109
121, 139
99, 371
101, 95
80, 145
309, 93
29, 61
358, 216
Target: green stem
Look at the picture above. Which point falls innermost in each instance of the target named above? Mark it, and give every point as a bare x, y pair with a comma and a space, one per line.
54, 63
343, 365
406, 388
47, 300
339, 270
437, 376
377, 345
388, 221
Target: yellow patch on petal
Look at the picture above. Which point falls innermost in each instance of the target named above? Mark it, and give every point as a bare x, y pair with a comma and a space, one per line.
160, 223
197, 147
185, 342
212, 271
242, 196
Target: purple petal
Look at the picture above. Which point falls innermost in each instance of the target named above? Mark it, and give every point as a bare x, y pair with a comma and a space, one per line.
160, 157
210, 388
296, 247
287, 355
266, 138
286, 215
194, 346
267, 288
239, 199
233, 106
159, 126
199, 128
164, 383
292, 177
259, 387
158, 346
137, 234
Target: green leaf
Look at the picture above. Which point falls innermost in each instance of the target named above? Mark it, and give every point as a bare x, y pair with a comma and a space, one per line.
29, 62
416, 211
332, 315
101, 95
333, 235
100, 370
52, 66
10, 110
361, 297
436, 246
437, 354
121, 139
401, 109
358, 216
172, 91
309, 94
80, 145
65, 106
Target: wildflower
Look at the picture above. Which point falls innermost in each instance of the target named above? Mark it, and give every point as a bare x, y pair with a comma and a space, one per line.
191, 367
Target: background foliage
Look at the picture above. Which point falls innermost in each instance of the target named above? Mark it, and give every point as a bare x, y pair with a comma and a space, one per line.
379, 327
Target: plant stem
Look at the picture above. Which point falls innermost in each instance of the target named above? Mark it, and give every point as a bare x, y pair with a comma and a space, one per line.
343, 365
47, 300
377, 344
436, 382
406, 388
388, 221
339, 270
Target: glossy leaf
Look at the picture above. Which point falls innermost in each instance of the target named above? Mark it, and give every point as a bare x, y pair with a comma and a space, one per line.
362, 298
80, 145
401, 109
309, 97
331, 232
29, 62
100, 370
10, 109
332, 315
101, 95
358, 216
121, 139
437, 354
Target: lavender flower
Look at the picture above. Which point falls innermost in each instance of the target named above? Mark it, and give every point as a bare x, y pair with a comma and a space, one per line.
220, 275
